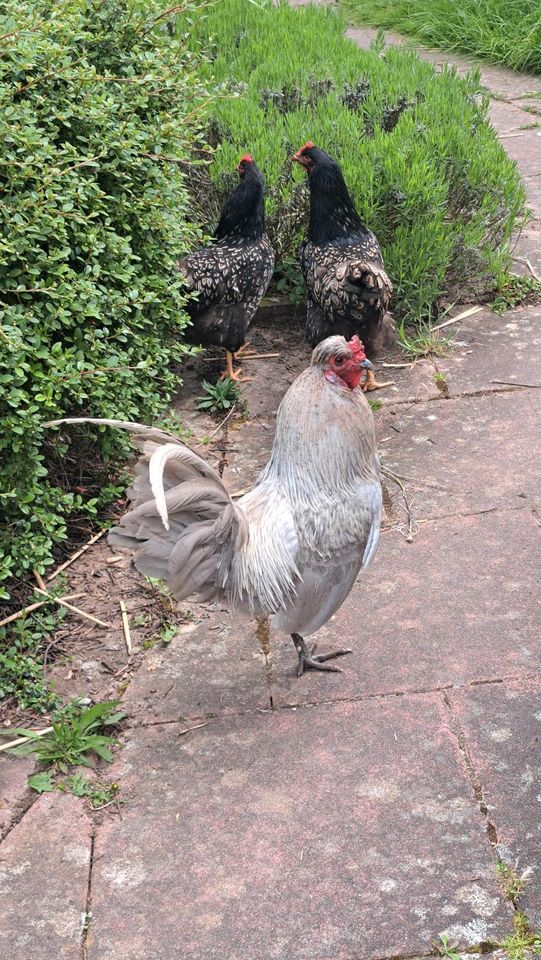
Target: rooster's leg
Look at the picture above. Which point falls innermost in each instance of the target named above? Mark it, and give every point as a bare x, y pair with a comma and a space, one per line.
308, 660
229, 372
372, 384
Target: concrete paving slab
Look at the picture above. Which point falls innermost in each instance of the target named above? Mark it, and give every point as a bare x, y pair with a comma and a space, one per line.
502, 726
458, 605
213, 666
44, 864
327, 833
14, 794
494, 352
458, 454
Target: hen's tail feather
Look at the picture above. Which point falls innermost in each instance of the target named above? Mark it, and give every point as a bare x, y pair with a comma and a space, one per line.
182, 525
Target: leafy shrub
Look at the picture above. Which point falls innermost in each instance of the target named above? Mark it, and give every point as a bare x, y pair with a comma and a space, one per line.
502, 31
417, 151
99, 106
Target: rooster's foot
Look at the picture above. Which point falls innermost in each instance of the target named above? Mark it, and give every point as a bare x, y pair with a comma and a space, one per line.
372, 384
309, 661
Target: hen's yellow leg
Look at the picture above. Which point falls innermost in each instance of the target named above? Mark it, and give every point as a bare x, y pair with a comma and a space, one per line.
230, 372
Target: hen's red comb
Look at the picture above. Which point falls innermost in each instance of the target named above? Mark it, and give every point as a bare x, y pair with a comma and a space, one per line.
306, 146
246, 158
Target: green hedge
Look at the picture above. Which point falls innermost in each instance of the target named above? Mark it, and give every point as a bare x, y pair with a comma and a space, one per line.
423, 163
99, 106
502, 31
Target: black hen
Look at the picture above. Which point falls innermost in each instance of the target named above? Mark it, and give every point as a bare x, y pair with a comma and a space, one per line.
348, 289
232, 274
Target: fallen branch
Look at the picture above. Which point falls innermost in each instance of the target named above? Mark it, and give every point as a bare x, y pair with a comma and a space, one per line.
69, 606
126, 627
17, 743
460, 316
76, 555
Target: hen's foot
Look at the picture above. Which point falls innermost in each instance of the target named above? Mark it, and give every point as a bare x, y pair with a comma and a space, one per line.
372, 384
309, 661
242, 350
230, 372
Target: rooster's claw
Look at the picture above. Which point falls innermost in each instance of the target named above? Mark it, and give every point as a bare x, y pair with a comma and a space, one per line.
308, 660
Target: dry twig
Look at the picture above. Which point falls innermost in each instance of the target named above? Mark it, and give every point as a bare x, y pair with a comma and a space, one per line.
69, 606
460, 316
126, 627
76, 555
17, 743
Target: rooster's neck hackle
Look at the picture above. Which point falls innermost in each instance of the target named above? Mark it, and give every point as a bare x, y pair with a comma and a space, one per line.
332, 212
243, 215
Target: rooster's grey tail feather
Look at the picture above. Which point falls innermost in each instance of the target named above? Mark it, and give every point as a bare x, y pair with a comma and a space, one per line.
182, 526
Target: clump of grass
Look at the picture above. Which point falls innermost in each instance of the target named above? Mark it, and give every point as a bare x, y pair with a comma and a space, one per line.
501, 31
422, 341
523, 941
511, 882
424, 166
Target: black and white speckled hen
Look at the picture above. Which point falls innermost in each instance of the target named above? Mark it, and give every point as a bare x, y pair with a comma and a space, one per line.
232, 274
348, 288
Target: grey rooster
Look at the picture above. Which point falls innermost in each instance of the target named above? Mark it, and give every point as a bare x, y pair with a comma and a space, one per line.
232, 274
348, 288
292, 547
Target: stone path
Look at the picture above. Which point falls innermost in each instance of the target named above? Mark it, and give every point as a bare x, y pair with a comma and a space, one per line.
347, 816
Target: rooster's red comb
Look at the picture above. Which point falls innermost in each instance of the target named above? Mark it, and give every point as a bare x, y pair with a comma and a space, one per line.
246, 158
356, 346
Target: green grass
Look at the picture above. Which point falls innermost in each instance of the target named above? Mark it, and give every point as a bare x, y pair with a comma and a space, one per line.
507, 32
426, 170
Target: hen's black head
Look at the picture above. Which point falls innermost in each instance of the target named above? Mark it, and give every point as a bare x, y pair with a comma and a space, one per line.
332, 211
243, 214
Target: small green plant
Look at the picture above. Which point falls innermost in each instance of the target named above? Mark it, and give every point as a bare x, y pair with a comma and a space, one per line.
523, 941
447, 949
221, 395
374, 404
99, 793
441, 382
515, 289
75, 733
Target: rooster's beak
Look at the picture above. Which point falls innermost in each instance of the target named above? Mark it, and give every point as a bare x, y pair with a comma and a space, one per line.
366, 365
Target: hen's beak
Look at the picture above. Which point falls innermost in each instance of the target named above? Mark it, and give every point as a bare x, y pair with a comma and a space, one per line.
366, 365
298, 158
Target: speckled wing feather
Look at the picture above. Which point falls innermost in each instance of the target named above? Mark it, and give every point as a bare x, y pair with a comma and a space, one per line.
347, 284
230, 279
